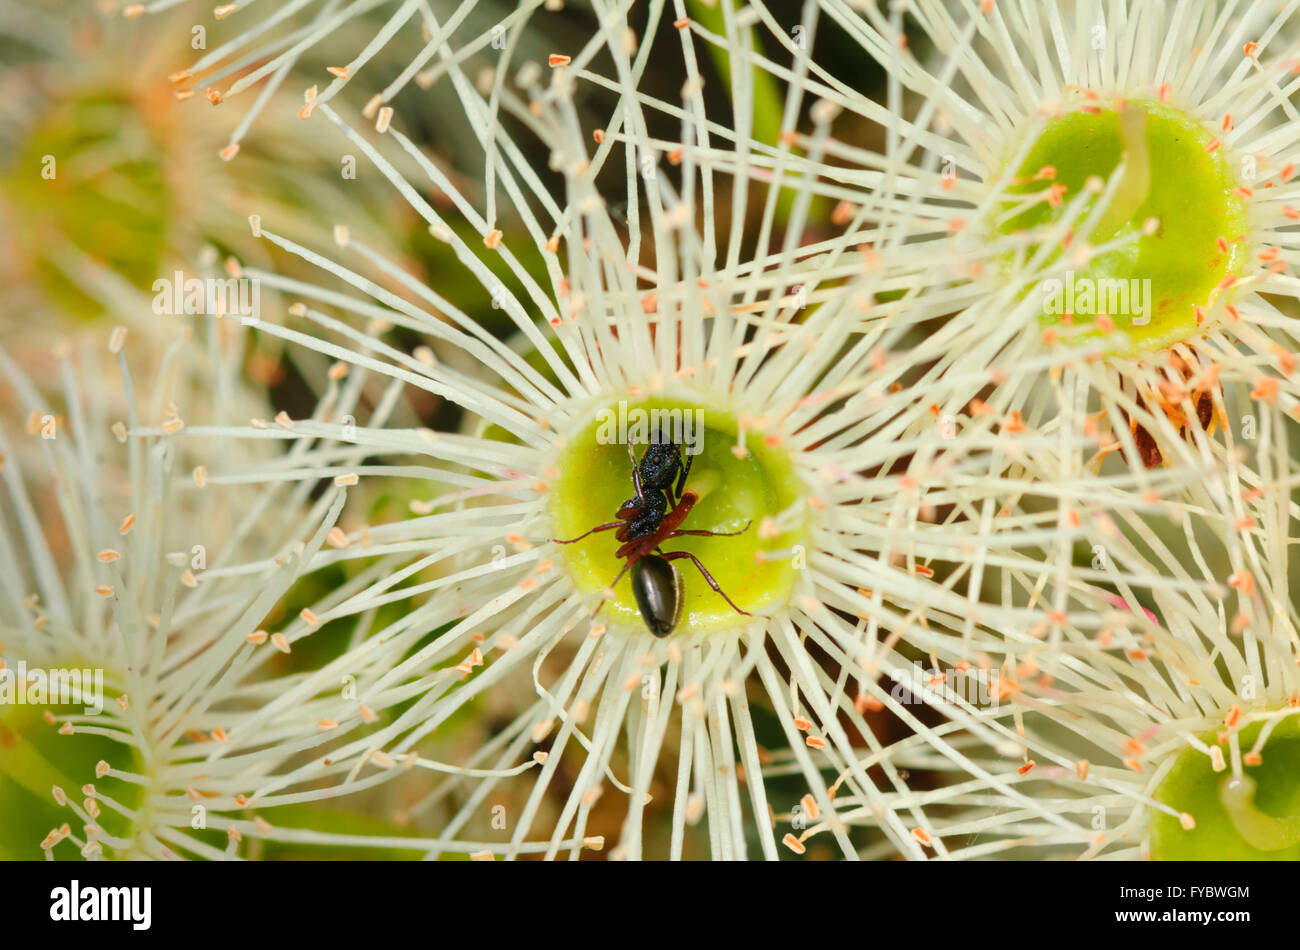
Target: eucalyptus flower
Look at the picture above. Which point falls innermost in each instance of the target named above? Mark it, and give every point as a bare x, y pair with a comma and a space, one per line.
110, 187
1169, 732
1110, 191
147, 709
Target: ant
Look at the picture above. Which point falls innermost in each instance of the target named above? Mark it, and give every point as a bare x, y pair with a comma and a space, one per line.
648, 519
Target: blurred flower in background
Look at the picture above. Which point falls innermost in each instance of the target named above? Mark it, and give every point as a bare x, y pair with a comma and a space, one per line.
111, 188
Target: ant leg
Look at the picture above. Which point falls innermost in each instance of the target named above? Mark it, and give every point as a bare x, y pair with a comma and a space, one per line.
681, 477
636, 472
600, 527
612, 585
701, 533
676, 555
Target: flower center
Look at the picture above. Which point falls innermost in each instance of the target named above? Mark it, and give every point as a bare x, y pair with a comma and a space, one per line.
737, 477
1252, 818
1168, 245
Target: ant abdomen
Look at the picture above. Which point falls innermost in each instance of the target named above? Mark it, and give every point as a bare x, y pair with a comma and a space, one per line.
658, 590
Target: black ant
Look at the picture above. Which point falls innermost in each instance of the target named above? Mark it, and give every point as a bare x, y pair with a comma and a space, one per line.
647, 520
